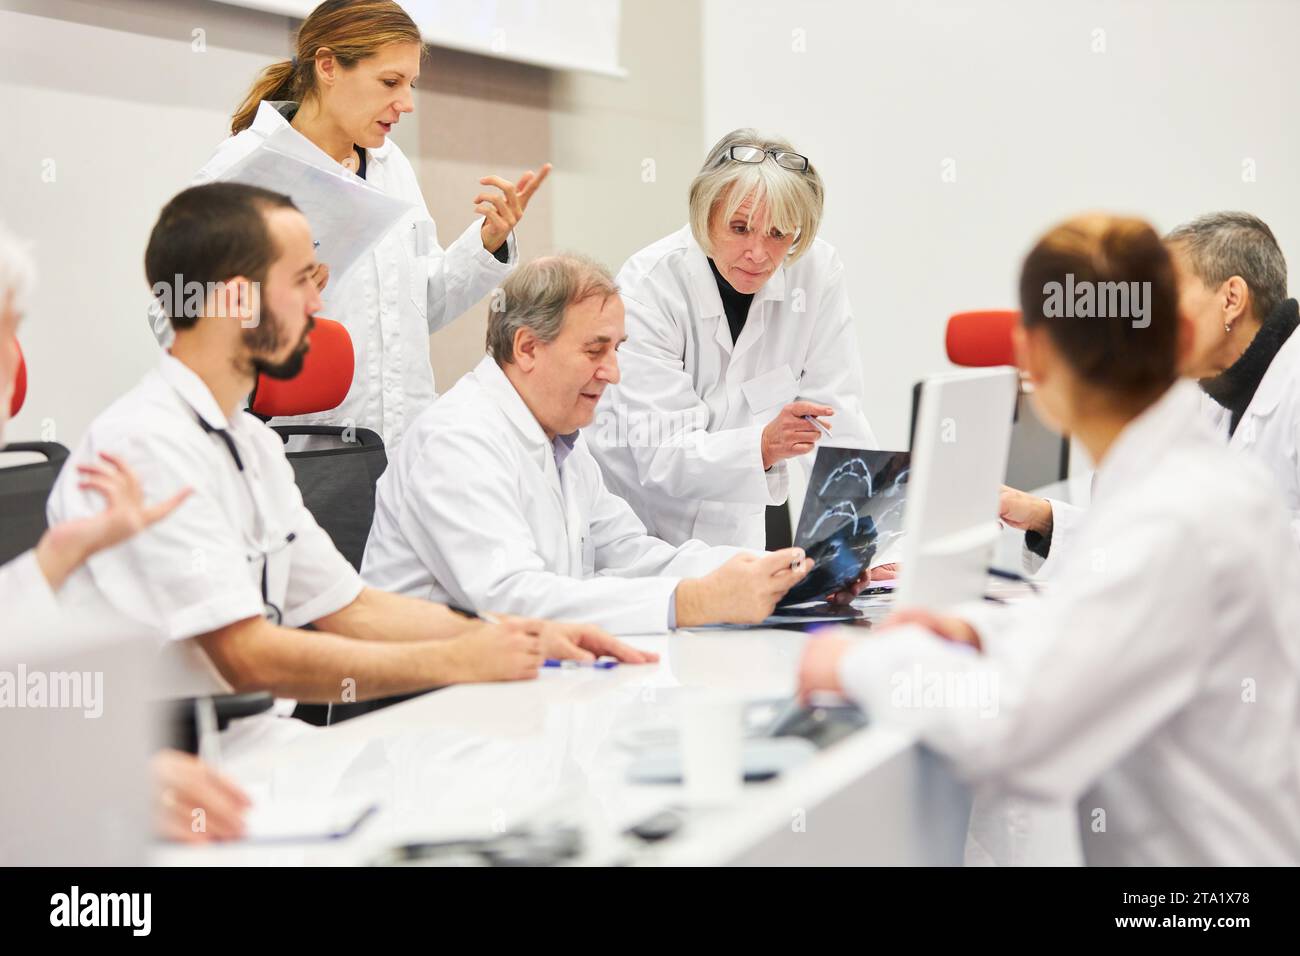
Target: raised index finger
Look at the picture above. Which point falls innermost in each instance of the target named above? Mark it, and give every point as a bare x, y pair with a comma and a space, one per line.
536, 181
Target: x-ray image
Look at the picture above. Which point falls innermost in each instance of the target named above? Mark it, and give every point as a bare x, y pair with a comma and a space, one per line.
853, 511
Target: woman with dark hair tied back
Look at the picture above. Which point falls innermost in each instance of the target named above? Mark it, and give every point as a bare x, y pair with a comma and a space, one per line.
349, 83
1156, 684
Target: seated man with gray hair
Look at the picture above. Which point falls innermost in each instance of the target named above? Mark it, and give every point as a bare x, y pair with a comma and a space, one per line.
494, 501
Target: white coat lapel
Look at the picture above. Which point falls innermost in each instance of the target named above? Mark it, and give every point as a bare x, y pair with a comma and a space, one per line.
538, 448
773, 291
1277, 378
575, 520
706, 301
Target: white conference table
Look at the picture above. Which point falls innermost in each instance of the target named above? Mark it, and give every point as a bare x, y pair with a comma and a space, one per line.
473, 760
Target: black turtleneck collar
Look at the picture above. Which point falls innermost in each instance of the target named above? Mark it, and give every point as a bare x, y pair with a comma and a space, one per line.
735, 304
1234, 387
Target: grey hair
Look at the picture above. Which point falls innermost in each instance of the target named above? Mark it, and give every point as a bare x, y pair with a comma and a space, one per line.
794, 199
17, 270
1221, 245
536, 295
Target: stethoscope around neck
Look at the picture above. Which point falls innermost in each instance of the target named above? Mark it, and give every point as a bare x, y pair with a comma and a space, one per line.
259, 542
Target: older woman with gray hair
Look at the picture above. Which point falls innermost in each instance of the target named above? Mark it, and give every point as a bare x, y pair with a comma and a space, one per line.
741, 351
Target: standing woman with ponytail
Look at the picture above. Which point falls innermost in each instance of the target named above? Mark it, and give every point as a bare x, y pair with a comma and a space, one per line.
348, 85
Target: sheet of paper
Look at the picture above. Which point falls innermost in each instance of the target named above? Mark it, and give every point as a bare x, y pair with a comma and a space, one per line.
347, 215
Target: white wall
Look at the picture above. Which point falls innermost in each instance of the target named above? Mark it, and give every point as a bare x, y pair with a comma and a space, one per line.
113, 101
1037, 124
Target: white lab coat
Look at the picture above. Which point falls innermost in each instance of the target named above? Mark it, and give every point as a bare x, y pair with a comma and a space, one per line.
473, 511
1269, 432
405, 289
680, 437
1156, 683
203, 567
27, 603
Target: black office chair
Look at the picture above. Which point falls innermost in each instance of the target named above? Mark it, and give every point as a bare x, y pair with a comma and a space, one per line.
338, 488
25, 484
24, 488
180, 717
338, 482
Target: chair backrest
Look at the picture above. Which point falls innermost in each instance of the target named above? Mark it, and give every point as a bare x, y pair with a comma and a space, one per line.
20, 384
25, 485
24, 489
322, 384
982, 338
337, 478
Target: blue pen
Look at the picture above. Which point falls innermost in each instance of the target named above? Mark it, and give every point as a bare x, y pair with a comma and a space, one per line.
600, 663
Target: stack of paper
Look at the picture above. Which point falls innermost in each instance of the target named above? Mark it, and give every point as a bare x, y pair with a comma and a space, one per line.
347, 215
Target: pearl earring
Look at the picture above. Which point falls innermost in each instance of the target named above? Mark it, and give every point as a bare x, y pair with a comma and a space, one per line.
1227, 328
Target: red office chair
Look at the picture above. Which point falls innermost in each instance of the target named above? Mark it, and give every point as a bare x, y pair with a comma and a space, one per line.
323, 382
25, 486
20, 384
337, 474
982, 338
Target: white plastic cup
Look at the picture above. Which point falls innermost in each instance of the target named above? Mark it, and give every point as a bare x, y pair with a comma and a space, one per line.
712, 741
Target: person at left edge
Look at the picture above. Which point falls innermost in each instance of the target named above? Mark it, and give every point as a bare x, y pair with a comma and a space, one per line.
350, 82
29, 585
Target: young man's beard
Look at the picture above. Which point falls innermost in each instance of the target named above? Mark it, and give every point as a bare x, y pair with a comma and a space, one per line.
266, 338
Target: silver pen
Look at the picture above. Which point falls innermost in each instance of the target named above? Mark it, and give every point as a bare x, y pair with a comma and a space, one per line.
820, 427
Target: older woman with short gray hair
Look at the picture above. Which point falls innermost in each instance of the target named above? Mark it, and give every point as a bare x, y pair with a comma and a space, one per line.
742, 351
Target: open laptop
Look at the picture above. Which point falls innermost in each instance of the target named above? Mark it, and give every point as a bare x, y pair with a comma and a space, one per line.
959, 455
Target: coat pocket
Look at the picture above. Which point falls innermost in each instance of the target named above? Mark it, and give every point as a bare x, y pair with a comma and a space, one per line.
771, 389
416, 249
